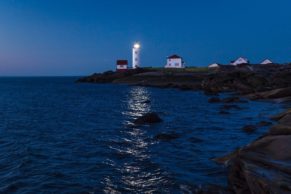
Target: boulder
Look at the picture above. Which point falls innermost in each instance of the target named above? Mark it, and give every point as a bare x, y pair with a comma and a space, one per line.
148, 118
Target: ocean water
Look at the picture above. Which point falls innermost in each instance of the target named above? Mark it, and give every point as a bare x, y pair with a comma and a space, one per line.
57, 136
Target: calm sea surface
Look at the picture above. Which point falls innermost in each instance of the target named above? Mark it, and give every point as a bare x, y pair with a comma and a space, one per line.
60, 137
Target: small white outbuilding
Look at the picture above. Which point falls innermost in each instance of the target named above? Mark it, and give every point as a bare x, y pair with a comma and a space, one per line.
213, 66
175, 61
266, 61
239, 61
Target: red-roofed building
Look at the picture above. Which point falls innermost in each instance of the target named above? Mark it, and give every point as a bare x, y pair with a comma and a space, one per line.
121, 65
175, 61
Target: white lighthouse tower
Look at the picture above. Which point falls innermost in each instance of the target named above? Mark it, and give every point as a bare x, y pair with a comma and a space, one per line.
136, 56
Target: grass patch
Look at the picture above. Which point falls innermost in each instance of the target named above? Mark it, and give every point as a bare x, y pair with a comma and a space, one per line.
184, 70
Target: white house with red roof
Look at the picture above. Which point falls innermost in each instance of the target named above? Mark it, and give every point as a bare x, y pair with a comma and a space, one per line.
175, 61
121, 65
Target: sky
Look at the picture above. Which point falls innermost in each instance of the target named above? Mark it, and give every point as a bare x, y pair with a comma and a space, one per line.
80, 37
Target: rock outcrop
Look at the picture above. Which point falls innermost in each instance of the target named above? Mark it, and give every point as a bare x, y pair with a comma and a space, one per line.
242, 82
264, 165
259, 82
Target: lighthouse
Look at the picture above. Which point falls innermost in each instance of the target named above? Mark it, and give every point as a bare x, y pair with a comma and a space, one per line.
136, 56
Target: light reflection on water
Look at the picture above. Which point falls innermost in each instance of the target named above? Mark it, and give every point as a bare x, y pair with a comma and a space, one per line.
136, 102
138, 173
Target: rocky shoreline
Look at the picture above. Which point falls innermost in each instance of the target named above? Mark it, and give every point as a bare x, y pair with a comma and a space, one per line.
150, 78
264, 165
272, 81
260, 167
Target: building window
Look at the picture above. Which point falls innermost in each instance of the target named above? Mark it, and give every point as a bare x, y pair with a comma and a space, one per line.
177, 64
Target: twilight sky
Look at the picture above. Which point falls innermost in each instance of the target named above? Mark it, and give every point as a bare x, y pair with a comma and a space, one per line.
79, 37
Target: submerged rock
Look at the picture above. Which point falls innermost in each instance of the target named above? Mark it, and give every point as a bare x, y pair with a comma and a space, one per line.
223, 112
229, 107
195, 140
148, 118
249, 128
264, 123
167, 137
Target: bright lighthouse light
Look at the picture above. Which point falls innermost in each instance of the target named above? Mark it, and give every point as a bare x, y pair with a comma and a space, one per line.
136, 45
